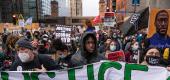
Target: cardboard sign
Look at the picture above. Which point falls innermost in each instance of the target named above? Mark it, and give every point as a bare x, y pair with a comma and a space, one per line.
116, 56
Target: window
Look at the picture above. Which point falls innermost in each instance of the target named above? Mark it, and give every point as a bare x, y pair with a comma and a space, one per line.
75, 20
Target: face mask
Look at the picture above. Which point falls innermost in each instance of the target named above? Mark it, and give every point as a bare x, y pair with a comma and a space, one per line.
24, 57
36, 36
62, 56
153, 60
135, 47
77, 38
113, 48
45, 39
114, 36
29, 37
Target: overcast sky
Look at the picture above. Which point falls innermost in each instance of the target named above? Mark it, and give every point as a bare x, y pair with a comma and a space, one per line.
90, 7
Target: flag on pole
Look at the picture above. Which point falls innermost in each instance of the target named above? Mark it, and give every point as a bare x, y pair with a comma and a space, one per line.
28, 21
21, 23
97, 20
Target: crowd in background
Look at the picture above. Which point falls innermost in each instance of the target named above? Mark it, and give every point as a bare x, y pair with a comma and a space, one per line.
43, 51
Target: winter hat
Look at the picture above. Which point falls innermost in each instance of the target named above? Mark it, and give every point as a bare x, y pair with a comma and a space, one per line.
23, 42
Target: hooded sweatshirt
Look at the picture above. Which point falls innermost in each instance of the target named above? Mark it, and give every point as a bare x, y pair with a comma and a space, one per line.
82, 57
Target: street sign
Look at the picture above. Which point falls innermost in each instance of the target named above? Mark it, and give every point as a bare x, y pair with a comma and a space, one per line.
135, 2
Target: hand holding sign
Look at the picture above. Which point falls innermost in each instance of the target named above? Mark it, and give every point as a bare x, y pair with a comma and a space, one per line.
41, 70
116, 56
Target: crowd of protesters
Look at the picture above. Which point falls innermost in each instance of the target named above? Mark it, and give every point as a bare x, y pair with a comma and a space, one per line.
43, 51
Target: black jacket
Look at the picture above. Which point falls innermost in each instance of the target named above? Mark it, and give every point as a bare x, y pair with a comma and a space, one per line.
39, 60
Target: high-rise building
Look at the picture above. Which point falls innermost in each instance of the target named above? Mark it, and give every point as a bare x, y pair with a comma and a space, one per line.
9, 8
54, 8
37, 9
64, 7
0, 11
76, 7
44, 8
161, 4
30, 9
120, 8
102, 8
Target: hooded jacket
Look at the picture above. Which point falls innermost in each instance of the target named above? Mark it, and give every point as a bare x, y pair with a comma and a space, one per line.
81, 58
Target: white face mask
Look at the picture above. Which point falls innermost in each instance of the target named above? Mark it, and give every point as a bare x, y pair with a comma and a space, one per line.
113, 48
135, 47
24, 57
62, 56
45, 39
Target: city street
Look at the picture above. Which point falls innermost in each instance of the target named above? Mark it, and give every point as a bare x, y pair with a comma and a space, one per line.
84, 40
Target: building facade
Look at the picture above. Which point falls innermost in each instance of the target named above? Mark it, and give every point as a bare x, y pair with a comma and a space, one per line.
0, 11
131, 8
64, 7
120, 10
37, 9
44, 8
30, 9
161, 4
54, 8
9, 8
76, 7
102, 8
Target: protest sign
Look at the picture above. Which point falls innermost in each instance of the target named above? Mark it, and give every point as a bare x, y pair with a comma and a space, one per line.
159, 28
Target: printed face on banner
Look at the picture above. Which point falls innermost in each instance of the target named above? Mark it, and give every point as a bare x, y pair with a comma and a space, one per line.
160, 24
159, 28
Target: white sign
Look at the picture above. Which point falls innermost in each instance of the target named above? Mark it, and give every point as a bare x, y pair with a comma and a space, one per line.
21, 23
109, 22
98, 71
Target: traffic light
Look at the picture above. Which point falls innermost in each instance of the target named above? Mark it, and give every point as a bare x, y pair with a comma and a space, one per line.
14, 19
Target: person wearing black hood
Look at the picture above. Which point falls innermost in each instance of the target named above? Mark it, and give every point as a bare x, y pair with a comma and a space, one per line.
88, 51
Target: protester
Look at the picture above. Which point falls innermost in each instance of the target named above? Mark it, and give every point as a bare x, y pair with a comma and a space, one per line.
88, 51
90, 27
64, 59
151, 57
113, 52
10, 44
103, 46
28, 35
27, 60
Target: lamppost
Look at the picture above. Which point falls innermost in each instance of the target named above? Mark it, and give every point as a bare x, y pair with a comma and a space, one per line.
37, 11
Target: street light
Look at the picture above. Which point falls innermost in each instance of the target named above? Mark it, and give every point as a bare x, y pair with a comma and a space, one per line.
14, 19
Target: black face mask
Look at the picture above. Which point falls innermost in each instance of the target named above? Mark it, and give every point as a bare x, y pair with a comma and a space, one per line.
36, 36
153, 60
29, 36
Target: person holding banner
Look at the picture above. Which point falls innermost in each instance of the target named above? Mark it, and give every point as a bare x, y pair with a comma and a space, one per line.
28, 60
151, 57
88, 52
113, 53
160, 39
